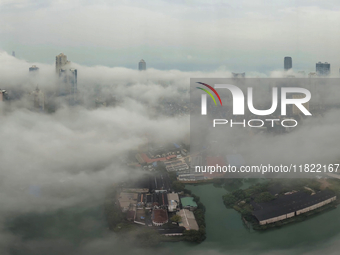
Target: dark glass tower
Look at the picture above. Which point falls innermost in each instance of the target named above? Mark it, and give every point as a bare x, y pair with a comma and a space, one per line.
142, 65
288, 64
323, 69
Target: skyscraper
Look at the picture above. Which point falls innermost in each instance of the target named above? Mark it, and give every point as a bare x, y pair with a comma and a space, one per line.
142, 65
60, 62
3, 95
38, 99
33, 69
288, 63
13, 53
323, 69
68, 84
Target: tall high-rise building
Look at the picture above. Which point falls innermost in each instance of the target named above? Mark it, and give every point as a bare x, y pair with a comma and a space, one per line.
13, 53
287, 63
38, 99
60, 62
68, 86
142, 65
323, 69
33, 69
3, 95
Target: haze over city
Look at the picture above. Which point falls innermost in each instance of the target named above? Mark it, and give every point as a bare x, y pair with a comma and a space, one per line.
125, 93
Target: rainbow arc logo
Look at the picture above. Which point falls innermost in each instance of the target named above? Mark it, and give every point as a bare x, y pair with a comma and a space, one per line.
209, 93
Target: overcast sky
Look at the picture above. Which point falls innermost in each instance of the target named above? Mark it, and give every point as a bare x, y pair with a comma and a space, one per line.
242, 35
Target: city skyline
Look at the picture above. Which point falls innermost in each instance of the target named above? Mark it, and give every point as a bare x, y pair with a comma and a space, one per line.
175, 41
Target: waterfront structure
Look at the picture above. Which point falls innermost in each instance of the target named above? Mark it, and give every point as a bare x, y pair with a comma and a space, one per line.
287, 63
171, 231
127, 200
188, 203
142, 65
187, 220
323, 69
288, 206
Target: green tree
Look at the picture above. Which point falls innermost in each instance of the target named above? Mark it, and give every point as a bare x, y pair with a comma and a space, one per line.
178, 186
176, 218
229, 200
264, 197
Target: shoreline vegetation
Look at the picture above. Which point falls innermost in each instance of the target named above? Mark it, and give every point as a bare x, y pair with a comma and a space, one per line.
240, 199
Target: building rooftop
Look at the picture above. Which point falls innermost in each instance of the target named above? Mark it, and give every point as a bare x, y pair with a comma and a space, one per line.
285, 204
159, 216
188, 201
160, 199
188, 219
173, 196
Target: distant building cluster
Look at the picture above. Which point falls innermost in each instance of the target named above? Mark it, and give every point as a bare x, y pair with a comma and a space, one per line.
321, 69
239, 75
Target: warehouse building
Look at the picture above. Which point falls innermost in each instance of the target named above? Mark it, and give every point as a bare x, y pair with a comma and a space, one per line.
287, 206
187, 220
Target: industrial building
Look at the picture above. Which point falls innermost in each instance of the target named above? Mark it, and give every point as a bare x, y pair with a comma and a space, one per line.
126, 200
287, 206
188, 203
160, 200
160, 183
173, 201
187, 220
159, 217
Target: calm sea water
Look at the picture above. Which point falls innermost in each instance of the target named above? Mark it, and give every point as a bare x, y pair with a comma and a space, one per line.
227, 234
